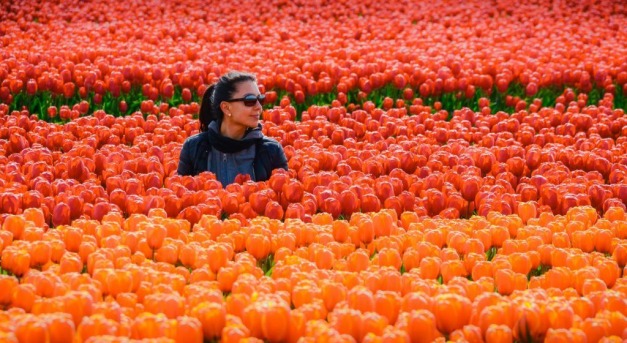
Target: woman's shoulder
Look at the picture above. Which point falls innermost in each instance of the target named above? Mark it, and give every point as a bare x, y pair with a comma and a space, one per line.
193, 142
271, 155
196, 138
270, 143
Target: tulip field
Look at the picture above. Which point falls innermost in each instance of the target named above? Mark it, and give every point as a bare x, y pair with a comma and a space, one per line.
457, 172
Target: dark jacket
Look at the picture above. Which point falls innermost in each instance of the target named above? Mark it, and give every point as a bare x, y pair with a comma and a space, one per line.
269, 155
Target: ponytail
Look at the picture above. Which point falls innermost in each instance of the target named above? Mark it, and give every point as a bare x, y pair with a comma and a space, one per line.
205, 114
216, 93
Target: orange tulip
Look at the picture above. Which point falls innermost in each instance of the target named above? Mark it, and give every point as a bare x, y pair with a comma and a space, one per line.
7, 284
390, 257
507, 281
275, 315
236, 303
155, 235
593, 285
20, 262
595, 328
451, 269
297, 324
70, 262
499, 334
416, 301
435, 237
388, 304
527, 210
583, 240
394, 335
496, 314
171, 305
188, 255
34, 215
168, 253
530, 322
420, 325
236, 333
473, 246
444, 305
305, 292
347, 321
226, 277
609, 271
340, 230
521, 263
620, 255
29, 328
561, 315
212, 317
383, 223
583, 307
218, 256
96, 325
373, 323
14, 224
358, 261
332, 294
410, 259
430, 268
60, 327
323, 258
366, 230
558, 335
499, 235
148, 325
258, 245
188, 329
559, 277
468, 333
362, 299
603, 241
482, 269
617, 322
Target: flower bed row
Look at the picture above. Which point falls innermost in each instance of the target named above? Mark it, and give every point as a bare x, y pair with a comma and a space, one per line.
377, 277
340, 162
49, 61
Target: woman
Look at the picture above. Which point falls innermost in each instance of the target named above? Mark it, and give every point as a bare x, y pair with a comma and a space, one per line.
231, 141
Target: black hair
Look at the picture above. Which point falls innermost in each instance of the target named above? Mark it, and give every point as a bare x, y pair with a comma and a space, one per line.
216, 93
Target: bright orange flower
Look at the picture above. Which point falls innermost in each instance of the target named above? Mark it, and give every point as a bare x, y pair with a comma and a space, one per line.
446, 304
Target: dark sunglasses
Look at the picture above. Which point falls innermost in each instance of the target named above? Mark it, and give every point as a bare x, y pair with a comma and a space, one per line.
250, 100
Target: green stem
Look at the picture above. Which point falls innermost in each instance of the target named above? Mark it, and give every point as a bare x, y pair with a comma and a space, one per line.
39, 102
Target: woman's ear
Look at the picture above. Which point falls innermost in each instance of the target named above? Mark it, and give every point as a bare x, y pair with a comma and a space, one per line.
225, 107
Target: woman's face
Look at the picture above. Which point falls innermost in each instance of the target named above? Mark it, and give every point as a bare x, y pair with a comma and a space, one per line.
237, 113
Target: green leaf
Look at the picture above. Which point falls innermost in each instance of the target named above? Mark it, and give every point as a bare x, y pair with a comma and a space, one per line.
491, 253
38, 103
267, 264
